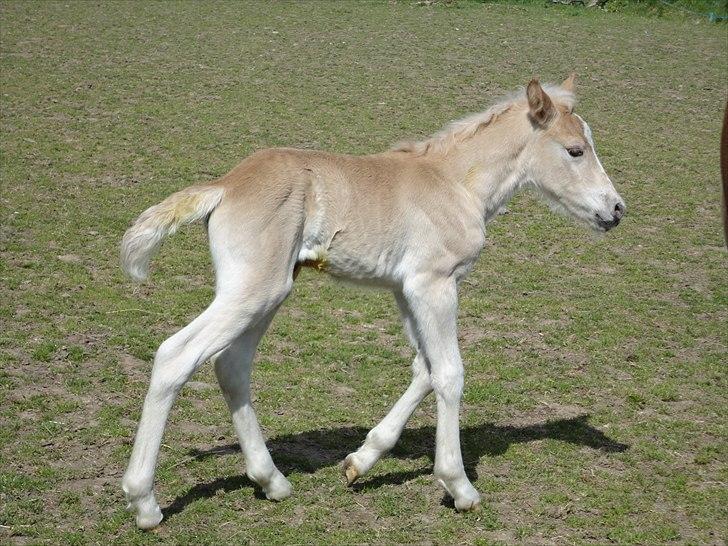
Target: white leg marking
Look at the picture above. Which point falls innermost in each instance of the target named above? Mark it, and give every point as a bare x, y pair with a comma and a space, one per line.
177, 358
233, 367
384, 436
433, 302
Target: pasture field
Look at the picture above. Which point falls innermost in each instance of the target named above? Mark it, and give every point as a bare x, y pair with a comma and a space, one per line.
595, 398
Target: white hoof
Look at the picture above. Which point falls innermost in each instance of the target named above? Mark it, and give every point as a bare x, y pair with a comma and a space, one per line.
149, 520
141, 503
464, 504
148, 514
278, 488
464, 495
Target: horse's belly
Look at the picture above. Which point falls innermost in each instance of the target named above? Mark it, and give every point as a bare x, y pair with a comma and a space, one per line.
371, 266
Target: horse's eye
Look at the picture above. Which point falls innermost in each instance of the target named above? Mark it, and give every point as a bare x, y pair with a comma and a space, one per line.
575, 151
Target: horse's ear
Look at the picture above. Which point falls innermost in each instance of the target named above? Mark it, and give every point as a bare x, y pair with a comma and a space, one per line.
541, 109
568, 84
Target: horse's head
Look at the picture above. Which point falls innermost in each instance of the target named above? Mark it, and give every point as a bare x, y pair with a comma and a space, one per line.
562, 162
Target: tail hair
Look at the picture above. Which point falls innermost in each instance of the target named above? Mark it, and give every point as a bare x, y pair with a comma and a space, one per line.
143, 239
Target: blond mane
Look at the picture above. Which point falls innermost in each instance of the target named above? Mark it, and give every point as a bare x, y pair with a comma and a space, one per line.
462, 129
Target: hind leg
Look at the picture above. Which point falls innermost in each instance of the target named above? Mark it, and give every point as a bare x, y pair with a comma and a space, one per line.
233, 367
231, 313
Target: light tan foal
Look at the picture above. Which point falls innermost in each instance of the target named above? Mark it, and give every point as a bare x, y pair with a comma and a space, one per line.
411, 219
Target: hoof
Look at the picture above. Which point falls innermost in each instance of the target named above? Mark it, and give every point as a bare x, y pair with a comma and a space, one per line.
467, 505
467, 498
143, 505
350, 471
279, 488
150, 520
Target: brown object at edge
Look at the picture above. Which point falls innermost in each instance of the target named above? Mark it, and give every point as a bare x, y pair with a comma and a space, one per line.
724, 171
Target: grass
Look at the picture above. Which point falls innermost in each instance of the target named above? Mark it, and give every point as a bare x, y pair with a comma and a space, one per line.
594, 408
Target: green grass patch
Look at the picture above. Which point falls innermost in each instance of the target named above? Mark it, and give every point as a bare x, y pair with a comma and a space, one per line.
594, 407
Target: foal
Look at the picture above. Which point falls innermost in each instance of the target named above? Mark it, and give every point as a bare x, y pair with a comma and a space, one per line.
411, 219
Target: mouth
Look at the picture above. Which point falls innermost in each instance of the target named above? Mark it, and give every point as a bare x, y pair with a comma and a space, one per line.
582, 212
606, 225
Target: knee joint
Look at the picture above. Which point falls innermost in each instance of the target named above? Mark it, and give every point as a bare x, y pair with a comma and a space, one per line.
449, 383
169, 373
167, 351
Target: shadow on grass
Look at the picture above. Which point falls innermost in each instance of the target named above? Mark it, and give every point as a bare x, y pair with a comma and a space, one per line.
312, 450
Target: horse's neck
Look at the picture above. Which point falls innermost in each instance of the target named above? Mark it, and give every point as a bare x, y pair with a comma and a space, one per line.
490, 165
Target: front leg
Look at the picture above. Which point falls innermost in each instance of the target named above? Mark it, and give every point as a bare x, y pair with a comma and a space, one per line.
384, 436
433, 302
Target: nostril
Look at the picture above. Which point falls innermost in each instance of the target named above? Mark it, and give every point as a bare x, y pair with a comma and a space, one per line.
618, 210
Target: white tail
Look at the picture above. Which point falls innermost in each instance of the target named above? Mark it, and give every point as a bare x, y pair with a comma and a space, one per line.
143, 239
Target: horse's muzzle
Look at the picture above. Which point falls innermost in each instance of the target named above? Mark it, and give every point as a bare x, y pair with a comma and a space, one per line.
617, 215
